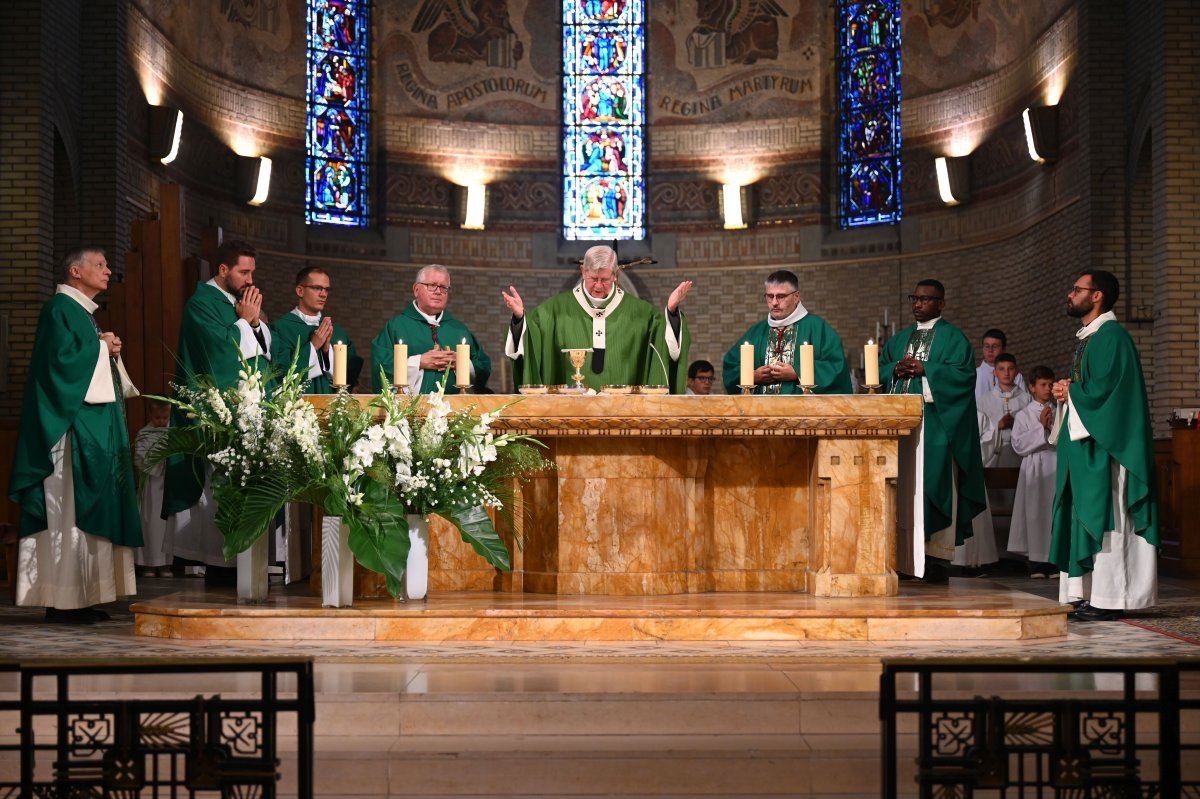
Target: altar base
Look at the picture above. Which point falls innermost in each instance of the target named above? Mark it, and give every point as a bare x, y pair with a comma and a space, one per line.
967, 610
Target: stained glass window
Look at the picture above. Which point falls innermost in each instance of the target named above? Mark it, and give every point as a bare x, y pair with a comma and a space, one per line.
604, 115
339, 112
868, 63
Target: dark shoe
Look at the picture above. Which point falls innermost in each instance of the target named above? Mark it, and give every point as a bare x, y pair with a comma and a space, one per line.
936, 573
1093, 613
97, 614
220, 575
72, 616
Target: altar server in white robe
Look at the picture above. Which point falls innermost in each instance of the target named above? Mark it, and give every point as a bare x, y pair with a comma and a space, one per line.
1029, 534
980, 549
157, 552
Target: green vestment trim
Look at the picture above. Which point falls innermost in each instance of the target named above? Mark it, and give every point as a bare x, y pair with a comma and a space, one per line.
1109, 397
951, 426
411, 327
60, 371
208, 348
630, 329
290, 333
829, 358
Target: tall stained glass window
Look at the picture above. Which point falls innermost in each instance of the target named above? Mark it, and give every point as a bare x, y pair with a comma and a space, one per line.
868, 63
339, 112
604, 119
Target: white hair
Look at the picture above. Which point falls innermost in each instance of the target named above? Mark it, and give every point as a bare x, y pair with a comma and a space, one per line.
425, 270
599, 257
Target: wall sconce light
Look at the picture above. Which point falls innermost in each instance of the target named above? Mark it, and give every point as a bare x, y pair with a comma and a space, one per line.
1041, 132
252, 179
472, 205
165, 124
953, 178
735, 206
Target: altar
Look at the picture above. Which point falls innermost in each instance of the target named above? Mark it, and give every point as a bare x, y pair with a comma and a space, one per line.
656, 495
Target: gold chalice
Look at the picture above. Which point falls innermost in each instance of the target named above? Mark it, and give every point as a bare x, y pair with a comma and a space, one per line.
577, 356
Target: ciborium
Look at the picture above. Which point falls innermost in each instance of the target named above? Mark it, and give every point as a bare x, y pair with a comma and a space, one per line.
577, 356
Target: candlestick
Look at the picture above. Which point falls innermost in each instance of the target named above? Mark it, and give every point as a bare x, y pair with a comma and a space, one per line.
339, 364
871, 363
462, 364
807, 371
399, 363
746, 373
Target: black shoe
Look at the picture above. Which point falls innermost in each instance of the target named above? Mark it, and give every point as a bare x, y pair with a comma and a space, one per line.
97, 614
220, 575
1093, 613
936, 573
71, 616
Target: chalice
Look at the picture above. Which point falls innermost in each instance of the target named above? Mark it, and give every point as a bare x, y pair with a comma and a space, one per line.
577, 356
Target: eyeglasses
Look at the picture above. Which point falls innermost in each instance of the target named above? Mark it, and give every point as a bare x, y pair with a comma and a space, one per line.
318, 289
436, 288
780, 297
923, 298
1077, 289
704, 379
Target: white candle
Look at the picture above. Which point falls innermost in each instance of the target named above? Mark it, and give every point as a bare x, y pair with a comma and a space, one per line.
462, 364
871, 359
807, 372
339, 364
400, 363
746, 374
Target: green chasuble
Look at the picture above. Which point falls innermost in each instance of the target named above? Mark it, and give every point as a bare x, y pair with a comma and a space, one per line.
412, 328
631, 326
60, 371
829, 359
951, 427
1108, 393
208, 348
290, 333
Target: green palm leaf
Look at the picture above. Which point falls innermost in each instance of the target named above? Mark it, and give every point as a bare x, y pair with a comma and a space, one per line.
476, 528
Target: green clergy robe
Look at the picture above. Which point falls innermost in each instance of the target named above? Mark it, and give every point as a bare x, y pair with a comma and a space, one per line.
60, 371
208, 347
829, 359
411, 328
560, 322
290, 333
1109, 395
951, 427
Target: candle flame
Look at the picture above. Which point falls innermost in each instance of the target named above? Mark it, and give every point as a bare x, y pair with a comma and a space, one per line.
870, 341
399, 341
464, 341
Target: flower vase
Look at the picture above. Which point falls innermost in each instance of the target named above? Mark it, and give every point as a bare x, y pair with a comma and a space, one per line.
252, 571
337, 564
416, 570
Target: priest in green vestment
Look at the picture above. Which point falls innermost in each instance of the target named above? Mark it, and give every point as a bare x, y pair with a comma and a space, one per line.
777, 340
306, 335
1104, 523
934, 358
72, 475
430, 332
619, 329
222, 326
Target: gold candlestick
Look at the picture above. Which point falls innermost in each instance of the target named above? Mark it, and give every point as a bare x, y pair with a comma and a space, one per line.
873, 389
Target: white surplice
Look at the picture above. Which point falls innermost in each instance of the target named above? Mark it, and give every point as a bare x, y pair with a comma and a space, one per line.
980, 548
1029, 533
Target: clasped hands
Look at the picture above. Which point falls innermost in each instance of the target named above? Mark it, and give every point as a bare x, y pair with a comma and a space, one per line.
772, 373
437, 360
1061, 390
910, 367
320, 337
249, 307
112, 342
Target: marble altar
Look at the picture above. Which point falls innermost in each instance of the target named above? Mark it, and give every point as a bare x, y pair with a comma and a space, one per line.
657, 495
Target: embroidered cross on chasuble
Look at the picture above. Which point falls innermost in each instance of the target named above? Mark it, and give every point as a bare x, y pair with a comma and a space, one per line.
781, 348
918, 347
1077, 359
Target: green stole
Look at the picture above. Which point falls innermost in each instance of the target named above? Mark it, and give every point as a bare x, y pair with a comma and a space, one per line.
630, 328
414, 330
208, 348
60, 371
1108, 393
951, 427
829, 358
290, 333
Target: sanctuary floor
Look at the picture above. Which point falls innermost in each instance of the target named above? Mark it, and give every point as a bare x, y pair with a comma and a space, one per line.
440, 718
